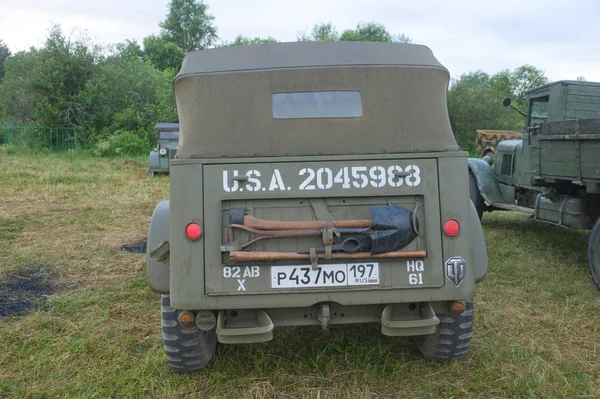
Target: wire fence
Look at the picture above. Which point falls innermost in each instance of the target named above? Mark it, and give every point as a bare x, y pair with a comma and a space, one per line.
55, 139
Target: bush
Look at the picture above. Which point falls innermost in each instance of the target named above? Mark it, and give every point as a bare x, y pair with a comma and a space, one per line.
122, 143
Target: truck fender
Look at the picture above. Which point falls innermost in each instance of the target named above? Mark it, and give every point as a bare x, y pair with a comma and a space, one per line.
486, 180
478, 248
154, 162
157, 273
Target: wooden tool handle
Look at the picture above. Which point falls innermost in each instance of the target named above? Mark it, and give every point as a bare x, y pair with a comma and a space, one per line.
248, 256
256, 223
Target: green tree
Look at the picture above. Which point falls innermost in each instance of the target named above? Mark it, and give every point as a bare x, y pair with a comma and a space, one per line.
130, 48
475, 101
364, 32
372, 32
188, 25
17, 96
321, 32
162, 53
241, 40
44, 83
524, 78
128, 94
4, 54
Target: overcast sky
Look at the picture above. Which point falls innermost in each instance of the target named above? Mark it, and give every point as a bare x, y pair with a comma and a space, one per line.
559, 37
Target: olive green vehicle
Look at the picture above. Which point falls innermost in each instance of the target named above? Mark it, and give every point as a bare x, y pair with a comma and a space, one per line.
314, 184
167, 139
553, 172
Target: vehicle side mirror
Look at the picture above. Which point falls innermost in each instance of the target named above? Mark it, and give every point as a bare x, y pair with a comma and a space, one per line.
506, 102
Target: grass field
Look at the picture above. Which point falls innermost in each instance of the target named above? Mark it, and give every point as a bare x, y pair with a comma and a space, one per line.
64, 218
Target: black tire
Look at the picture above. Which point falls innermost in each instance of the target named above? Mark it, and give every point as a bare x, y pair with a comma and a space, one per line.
475, 194
452, 338
594, 253
187, 349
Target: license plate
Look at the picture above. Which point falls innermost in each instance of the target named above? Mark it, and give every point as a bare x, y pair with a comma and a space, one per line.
335, 275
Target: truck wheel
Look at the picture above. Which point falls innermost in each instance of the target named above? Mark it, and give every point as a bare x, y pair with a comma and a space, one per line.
476, 197
594, 253
452, 337
187, 349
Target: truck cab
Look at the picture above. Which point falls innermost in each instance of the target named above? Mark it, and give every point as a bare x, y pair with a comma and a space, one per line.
314, 184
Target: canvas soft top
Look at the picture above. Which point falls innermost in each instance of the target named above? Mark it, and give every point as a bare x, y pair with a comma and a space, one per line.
305, 54
225, 100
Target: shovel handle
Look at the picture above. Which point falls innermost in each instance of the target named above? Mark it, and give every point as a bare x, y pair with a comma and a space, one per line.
262, 224
247, 256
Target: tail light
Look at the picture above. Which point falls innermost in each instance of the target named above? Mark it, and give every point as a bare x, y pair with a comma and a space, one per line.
451, 227
193, 231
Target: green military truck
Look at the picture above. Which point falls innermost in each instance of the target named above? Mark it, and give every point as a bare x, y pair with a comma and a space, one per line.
314, 184
167, 140
553, 173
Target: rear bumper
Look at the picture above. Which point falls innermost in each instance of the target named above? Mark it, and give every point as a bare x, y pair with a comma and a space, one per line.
237, 326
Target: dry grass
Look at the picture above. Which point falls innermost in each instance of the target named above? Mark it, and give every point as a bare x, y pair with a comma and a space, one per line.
536, 332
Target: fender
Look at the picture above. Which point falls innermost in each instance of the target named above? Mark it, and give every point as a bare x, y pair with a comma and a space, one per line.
478, 248
157, 273
486, 181
156, 163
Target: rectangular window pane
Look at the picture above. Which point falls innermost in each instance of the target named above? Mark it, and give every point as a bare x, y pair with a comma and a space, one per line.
317, 104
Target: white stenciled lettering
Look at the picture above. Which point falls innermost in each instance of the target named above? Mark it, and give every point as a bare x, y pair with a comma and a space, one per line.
377, 174
356, 173
254, 184
241, 286
414, 179
255, 271
276, 181
393, 180
306, 183
323, 178
415, 278
414, 266
226, 187
342, 178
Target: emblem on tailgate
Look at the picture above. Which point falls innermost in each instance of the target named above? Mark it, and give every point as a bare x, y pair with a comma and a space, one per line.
456, 270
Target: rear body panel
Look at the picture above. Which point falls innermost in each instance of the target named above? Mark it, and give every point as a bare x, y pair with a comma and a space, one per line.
315, 188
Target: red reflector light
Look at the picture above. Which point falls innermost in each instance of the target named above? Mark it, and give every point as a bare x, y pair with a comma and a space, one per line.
451, 227
193, 231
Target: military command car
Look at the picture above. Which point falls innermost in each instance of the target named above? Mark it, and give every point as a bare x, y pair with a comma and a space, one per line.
314, 184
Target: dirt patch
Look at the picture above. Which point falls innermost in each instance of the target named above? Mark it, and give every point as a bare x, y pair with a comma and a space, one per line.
138, 247
25, 290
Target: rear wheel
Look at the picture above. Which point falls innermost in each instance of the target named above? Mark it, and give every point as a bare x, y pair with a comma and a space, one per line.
452, 337
187, 349
594, 253
475, 194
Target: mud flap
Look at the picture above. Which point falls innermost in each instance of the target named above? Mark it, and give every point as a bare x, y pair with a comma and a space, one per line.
396, 324
244, 326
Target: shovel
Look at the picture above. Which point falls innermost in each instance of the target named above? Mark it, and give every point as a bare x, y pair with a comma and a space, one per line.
240, 217
390, 228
